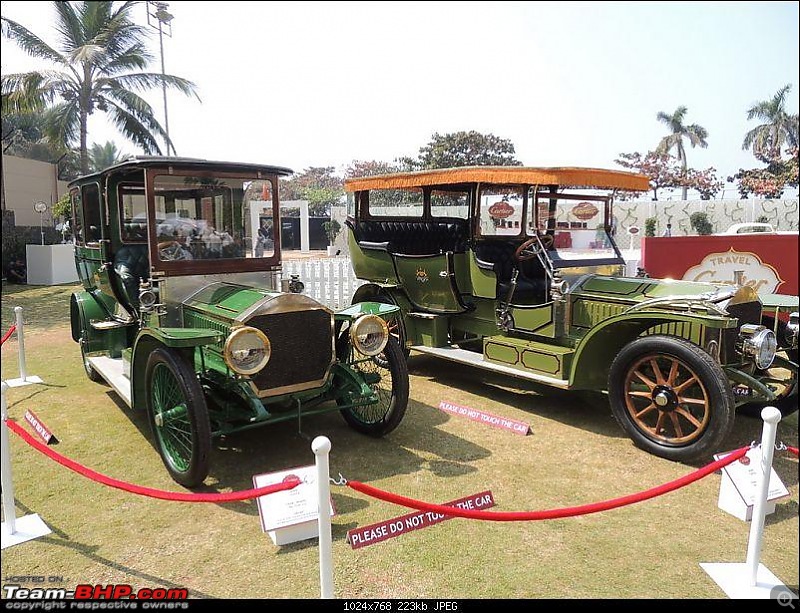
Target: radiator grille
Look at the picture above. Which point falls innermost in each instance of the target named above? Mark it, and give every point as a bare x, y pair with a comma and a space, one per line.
302, 347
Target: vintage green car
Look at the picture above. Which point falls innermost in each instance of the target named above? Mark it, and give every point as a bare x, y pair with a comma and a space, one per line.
184, 312
516, 270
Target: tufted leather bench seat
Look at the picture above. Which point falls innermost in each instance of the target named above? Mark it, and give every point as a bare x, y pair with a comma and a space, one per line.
132, 264
412, 237
499, 254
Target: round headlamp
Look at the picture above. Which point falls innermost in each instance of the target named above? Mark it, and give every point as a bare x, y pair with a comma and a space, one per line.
369, 334
758, 343
247, 350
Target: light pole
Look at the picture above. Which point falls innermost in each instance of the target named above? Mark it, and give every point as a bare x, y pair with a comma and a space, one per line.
157, 14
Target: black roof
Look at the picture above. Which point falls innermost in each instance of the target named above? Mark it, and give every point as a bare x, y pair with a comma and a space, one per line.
148, 161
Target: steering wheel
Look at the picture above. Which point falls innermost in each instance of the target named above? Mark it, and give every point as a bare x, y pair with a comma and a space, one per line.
530, 248
172, 250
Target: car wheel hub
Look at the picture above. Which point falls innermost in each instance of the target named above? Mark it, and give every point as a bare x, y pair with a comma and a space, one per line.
665, 398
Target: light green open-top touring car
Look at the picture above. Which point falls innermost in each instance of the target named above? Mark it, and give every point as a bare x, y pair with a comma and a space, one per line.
516, 270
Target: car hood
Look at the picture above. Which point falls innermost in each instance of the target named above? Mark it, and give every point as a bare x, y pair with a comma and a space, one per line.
239, 303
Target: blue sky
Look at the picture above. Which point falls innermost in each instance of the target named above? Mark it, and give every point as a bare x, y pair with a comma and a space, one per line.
301, 84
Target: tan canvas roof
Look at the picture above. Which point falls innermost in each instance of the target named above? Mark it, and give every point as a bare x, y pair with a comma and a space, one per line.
565, 177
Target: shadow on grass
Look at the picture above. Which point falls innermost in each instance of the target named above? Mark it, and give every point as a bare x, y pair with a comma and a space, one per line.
43, 306
62, 539
578, 409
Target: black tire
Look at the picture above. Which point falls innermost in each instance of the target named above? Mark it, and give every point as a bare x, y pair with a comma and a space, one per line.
392, 388
87, 368
659, 385
184, 439
787, 402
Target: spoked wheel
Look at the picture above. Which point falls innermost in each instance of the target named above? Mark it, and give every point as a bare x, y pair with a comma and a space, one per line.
387, 375
178, 416
671, 397
87, 367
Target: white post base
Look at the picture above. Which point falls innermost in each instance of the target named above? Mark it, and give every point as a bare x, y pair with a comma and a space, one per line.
27, 528
734, 579
29, 380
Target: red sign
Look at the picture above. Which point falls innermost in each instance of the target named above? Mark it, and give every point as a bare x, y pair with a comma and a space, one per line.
768, 261
501, 210
40, 429
585, 210
517, 427
375, 533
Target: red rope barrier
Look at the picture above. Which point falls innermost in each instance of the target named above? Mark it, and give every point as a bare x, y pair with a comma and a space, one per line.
551, 513
8, 334
147, 491
792, 450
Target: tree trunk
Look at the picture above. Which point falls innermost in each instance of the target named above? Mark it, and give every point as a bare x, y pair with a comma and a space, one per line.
84, 148
684, 189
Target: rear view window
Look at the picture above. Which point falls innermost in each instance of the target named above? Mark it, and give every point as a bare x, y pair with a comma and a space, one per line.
395, 203
450, 204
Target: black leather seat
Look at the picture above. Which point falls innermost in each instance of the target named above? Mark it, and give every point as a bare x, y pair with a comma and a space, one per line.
132, 264
413, 237
531, 282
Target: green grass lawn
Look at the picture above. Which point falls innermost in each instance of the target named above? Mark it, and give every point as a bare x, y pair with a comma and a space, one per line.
576, 454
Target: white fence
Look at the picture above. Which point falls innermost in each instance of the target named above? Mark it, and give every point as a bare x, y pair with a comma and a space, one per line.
330, 281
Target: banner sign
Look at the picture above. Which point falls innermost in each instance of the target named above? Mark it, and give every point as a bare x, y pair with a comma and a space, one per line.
41, 430
767, 262
517, 427
375, 533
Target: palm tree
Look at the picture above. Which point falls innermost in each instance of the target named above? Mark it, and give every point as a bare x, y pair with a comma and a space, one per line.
100, 58
103, 156
695, 133
779, 128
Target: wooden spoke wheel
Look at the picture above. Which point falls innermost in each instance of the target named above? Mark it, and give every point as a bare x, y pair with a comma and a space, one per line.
671, 397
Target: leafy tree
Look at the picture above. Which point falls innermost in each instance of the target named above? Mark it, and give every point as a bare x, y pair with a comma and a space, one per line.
700, 222
359, 168
769, 182
103, 156
463, 149
694, 133
100, 58
660, 167
23, 136
317, 184
703, 181
650, 226
777, 129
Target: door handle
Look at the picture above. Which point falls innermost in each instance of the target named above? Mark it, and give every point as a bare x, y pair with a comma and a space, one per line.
444, 274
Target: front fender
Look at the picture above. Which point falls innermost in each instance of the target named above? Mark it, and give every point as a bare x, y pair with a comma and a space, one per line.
382, 310
596, 350
183, 340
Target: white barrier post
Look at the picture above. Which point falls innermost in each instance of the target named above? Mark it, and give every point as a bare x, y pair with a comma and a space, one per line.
21, 343
321, 446
14, 531
771, 417
752, 579
9, 512
23, 379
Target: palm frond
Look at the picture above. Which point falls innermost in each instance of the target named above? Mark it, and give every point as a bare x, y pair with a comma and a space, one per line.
61, 123
30, 43
135, 56
147, 80
133, 129
69, 26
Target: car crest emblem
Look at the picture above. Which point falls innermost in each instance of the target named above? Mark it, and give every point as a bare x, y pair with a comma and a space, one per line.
422, 275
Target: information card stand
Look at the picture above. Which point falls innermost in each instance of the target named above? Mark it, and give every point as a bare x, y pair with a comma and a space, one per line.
292, 515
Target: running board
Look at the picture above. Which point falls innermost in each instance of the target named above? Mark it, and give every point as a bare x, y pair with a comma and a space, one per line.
111, 369
471, 358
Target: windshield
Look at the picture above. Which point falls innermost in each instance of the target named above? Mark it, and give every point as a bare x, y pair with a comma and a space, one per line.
577, 224
213, 218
